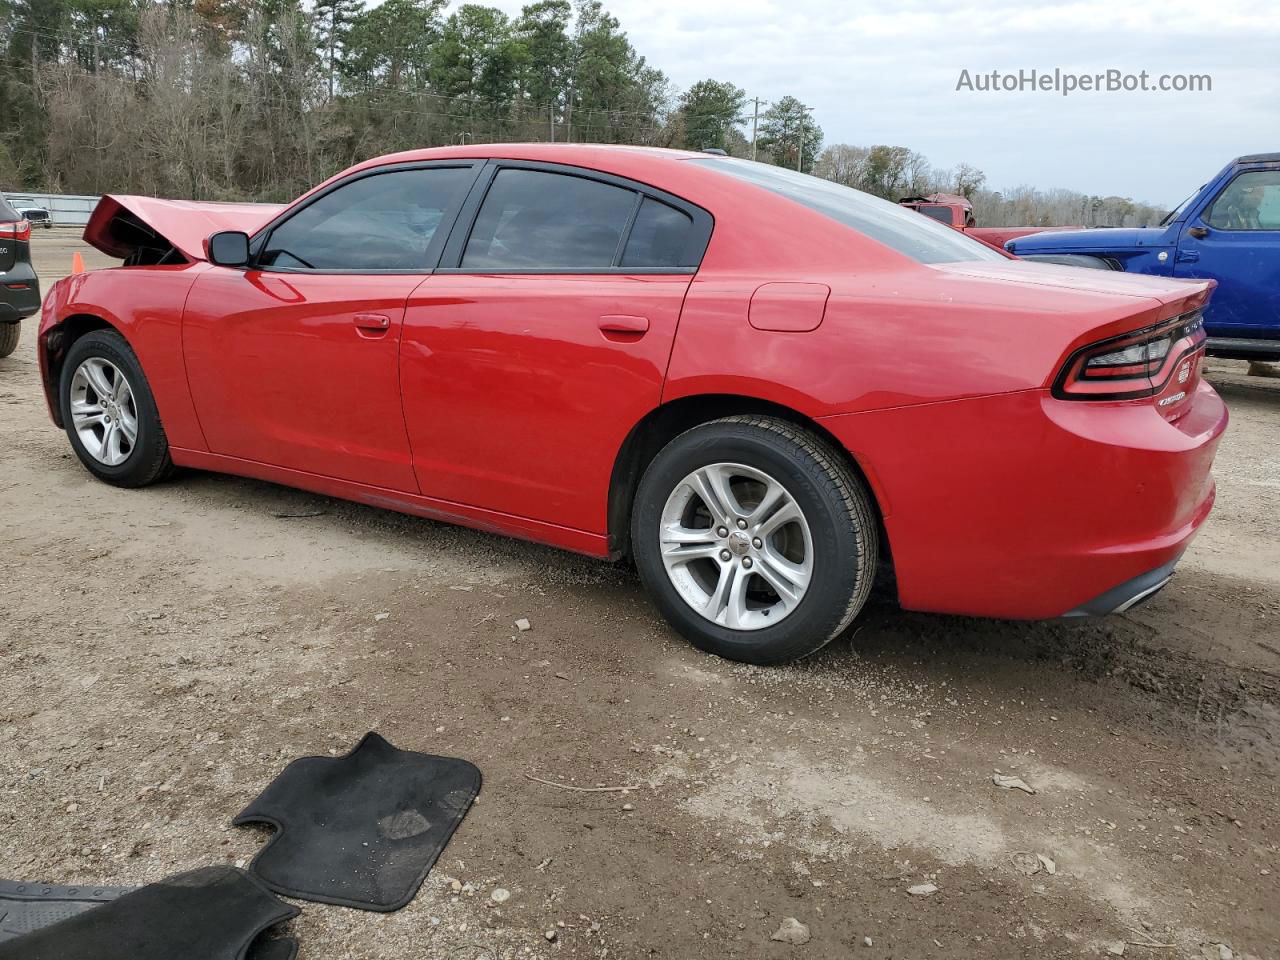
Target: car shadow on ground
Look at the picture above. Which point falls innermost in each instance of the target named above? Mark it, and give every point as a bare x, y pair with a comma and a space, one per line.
1120, 651
1092, 647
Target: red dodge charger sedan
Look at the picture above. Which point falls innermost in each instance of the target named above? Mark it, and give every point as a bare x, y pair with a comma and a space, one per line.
760, 385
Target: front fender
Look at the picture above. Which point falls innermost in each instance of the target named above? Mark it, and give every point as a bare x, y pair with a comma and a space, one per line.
144, 305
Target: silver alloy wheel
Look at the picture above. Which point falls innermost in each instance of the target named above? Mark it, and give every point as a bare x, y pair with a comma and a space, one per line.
736, 546
103, 411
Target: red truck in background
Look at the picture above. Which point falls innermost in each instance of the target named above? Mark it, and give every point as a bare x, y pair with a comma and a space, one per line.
957, 212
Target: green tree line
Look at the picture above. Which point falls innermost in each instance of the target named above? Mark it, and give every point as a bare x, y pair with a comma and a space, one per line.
259, 99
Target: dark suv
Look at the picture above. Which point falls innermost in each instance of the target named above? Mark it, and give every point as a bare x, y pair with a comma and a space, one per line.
19, 285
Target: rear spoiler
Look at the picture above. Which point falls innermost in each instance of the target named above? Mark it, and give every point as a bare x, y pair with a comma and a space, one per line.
128, 227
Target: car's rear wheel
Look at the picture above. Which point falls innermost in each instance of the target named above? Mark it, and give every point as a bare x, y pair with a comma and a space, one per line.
110, 414
755, 538
10, 334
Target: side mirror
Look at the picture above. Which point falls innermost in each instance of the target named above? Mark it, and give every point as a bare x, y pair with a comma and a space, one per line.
230, 248
1198, 232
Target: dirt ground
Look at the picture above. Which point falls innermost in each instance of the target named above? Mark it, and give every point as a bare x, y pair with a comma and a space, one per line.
164, 652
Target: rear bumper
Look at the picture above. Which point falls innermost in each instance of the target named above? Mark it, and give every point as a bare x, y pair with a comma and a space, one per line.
19, 293
1025, 507
1128, 594
17, 305
1243, 348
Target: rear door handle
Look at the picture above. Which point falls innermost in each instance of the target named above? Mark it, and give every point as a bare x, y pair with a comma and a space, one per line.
372, 321
620, 325
1188, 256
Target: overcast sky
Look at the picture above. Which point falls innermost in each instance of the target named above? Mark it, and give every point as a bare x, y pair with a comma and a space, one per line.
885, 71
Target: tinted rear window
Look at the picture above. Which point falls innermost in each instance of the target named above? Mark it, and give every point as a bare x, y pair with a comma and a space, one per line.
7, 213
906, 231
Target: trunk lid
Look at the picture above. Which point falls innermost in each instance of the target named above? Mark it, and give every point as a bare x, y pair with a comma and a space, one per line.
1168, 291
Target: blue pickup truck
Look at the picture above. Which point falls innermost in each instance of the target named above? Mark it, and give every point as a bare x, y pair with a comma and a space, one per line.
1229, 230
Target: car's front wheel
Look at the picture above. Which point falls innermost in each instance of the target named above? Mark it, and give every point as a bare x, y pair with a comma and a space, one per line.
109, 413
755, 538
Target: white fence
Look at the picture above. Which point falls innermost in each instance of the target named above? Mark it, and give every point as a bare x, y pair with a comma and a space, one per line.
63, 209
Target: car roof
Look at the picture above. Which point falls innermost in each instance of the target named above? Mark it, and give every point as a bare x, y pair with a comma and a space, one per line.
573, 154
1259, 158
514, 150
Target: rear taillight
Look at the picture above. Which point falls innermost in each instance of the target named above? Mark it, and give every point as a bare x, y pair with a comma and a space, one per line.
1136, 364
16, 230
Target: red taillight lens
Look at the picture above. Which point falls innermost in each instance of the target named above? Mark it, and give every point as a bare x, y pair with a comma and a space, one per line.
16, 230
1136, 364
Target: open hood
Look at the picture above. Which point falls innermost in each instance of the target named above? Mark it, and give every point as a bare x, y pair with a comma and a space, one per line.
147, 230
1089, 241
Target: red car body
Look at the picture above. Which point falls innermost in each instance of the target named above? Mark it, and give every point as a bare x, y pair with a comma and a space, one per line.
524, 404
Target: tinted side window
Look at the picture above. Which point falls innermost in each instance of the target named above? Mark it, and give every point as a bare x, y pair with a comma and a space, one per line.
533, 220
1250, 202
659, 236
381, 222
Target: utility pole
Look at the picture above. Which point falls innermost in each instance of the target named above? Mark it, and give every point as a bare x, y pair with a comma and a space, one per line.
800, 154
551, 116
333, 46
755, 119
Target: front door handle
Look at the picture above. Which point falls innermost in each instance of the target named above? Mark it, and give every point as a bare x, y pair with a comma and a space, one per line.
1188, 256
377, 322
622, 327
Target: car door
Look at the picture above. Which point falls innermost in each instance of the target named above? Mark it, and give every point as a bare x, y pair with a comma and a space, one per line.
544, 338
294, 361
1235, 239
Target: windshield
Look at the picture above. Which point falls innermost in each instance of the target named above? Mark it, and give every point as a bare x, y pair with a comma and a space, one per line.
920, 238
1176, 211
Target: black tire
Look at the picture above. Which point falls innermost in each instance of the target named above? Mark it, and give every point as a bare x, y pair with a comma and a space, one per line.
836, 507
148, 459
10, 334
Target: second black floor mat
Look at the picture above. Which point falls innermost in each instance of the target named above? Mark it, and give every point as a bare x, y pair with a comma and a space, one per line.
361, 830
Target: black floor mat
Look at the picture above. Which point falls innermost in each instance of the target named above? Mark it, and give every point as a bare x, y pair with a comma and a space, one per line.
282, 948
210, 914
361, 830
25, 907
